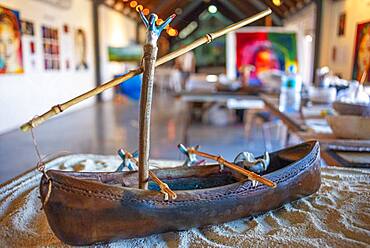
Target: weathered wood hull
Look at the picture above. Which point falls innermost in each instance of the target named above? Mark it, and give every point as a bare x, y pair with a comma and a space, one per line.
88, 208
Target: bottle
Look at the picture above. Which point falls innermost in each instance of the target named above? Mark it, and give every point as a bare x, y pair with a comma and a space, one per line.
290, 91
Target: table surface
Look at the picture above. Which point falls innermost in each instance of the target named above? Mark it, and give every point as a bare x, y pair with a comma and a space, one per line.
217, 96
330, 145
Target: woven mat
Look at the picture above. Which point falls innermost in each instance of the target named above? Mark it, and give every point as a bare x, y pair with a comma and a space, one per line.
337, 215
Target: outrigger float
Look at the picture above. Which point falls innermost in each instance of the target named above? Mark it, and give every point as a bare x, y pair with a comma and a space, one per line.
94, 207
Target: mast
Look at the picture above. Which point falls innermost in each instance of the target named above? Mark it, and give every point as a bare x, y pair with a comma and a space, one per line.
146, 97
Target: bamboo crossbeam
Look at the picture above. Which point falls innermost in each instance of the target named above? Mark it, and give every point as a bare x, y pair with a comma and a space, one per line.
251, 175
168, 193
110, 84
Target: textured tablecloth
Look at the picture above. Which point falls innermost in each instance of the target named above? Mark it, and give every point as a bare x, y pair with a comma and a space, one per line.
338, 215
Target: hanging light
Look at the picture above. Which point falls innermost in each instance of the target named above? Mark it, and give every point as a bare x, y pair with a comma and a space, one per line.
212, 9
109, 2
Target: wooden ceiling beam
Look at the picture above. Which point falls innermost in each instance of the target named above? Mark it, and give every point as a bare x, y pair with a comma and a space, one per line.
163, 6
290, 5
191, 7
188, 17
231, 6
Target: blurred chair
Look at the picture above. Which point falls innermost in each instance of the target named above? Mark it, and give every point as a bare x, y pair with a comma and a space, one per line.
167, 79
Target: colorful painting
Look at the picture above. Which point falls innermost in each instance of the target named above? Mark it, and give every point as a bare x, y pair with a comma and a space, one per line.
50, 43
80, 47
266, 51
11, 60
132, 53
361, 63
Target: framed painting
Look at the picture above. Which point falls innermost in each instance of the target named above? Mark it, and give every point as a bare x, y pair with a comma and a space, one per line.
264, 50
11, 60
51, 51
361, 63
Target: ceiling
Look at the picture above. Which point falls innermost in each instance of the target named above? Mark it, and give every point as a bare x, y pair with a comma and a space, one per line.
189, 10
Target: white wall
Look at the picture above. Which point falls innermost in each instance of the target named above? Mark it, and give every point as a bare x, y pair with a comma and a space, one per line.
357, 11
115, 30
304, 23
23, 96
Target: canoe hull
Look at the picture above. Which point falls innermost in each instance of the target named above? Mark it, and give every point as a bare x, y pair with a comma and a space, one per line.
80, 212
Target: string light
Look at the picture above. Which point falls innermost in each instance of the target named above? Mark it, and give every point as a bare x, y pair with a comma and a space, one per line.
119, 6
133, 4
276, 2
172, 32
146, 11
139, 8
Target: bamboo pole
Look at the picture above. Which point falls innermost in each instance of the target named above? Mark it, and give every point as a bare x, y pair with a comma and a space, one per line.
251, 175
110, 84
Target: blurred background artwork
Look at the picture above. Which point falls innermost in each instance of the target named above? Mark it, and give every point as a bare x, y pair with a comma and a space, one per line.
28, 45
341, 24
80, 47
362, 51
10, 42
50, 43
66, 47
131, 53
266, 51
27, 28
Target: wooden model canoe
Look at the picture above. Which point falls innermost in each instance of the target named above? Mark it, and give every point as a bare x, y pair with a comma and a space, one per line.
87, 208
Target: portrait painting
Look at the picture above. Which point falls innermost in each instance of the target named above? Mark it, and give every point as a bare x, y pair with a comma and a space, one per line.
10, 42
80, 49
266, 51
361, 64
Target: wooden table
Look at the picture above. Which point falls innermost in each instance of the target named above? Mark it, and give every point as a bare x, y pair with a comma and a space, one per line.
333, 150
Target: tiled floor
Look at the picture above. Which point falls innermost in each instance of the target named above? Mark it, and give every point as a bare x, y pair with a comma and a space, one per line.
104, 128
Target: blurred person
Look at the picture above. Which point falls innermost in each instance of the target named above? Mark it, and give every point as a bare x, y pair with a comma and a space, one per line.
10, 42
186, 65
